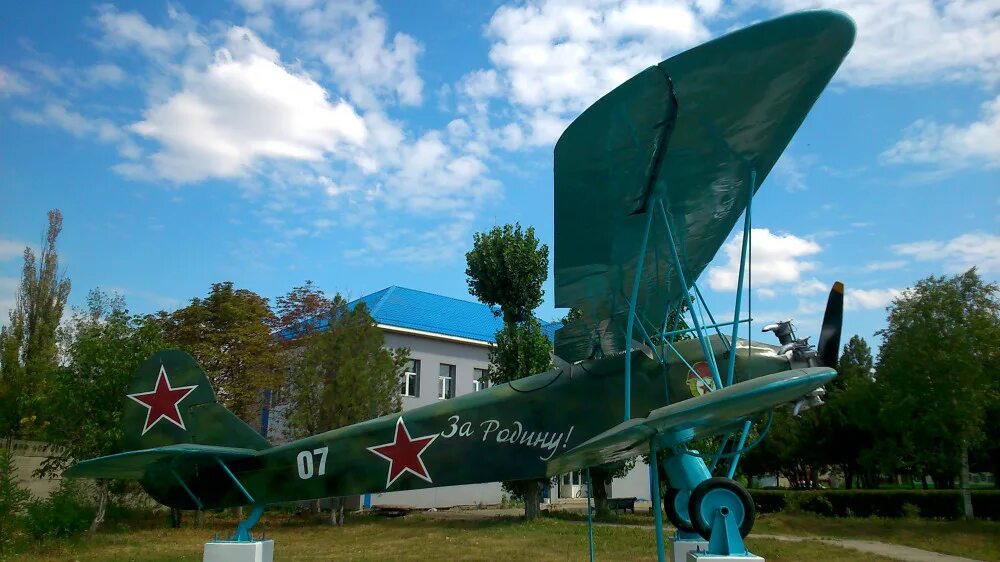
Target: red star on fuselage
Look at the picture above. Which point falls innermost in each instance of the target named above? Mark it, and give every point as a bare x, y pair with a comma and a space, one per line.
403, 454
162, 401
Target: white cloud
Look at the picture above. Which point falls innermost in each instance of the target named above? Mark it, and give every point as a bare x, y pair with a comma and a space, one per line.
958, 254
11, 83
860, 299
10, 249
885, 265
124, 30
809, 287
104, 74
917, 41
352, 39
777, 259
244, 107
951, 146
551, 59
80, 126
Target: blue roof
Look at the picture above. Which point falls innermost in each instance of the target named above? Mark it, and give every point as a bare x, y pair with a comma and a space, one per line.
419, 310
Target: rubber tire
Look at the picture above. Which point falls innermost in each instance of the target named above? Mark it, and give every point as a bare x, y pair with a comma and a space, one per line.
675, 518
704, 528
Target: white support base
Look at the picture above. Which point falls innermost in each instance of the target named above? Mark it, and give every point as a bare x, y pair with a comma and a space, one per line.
679, 548
230, 551
706, 557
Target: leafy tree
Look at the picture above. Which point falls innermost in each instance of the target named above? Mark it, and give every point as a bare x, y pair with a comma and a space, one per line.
13, 498
344, 376
299, 312
936, 372
229, 333
105, 345
849, 419
506, 268
28, 346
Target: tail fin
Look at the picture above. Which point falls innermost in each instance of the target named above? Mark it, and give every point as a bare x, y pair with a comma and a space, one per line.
170, 401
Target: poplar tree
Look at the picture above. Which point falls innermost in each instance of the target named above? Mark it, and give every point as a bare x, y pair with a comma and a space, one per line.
28, 345
505, 270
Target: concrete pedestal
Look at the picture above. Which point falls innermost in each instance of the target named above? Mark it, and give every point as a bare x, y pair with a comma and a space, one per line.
680, 547
706, 557
246, 551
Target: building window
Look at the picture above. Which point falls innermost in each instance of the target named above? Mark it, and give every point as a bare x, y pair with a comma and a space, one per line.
411, 379
446, 381
480, 379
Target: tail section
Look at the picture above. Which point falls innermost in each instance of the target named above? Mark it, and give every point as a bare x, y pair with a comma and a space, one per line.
170, 401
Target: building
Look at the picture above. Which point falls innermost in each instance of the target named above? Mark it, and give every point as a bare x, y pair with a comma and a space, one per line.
449, 341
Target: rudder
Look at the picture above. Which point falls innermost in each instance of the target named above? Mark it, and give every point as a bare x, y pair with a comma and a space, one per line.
170, 401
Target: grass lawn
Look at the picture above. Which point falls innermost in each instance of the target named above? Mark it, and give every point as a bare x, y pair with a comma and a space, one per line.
409, 538
975, 539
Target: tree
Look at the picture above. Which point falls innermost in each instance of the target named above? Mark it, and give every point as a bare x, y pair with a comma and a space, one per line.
105, 345
506, 268
934, 372
229, 334
849, 419
13, 498
28, 346
300, 311
344, 376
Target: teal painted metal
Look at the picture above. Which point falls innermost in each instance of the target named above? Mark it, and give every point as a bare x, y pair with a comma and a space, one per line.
725, 539
244, 527
739, 449
654, 489
590, 516
730, 368
717, 325
685, 471
235, 480
688, 365
631, 317
718, 452
180, 481
709, 357
714, 323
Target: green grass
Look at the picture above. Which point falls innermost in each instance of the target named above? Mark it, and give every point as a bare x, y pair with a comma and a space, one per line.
409, 538
972, 539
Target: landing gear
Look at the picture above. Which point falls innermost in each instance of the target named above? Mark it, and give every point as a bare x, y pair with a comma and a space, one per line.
675, 503
720, 496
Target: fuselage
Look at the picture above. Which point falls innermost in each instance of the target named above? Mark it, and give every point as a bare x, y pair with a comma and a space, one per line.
507, 432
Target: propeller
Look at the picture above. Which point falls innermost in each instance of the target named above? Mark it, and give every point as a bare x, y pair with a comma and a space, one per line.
828, 347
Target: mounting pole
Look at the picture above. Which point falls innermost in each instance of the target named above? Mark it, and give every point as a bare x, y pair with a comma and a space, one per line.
590, 516
731, 367
631, 317
657, 507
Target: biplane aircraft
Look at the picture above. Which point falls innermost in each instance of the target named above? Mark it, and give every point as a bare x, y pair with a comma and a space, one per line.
649, 182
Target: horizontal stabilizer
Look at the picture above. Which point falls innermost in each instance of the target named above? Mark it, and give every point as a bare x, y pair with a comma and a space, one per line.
699, 417
135, 464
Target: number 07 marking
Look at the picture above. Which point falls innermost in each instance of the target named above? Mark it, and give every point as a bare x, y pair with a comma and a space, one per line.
306, 461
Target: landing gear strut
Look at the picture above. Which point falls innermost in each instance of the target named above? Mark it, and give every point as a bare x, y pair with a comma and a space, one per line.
725, 497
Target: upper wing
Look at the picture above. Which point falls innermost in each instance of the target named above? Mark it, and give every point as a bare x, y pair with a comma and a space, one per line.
135, 464
686, 132
704, 416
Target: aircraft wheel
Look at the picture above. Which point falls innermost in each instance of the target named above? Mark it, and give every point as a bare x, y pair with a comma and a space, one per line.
675, 502
722, 494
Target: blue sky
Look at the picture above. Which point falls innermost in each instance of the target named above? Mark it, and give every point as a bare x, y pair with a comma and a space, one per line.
361, 144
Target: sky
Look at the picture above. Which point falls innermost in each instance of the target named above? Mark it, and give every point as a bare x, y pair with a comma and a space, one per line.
361, 144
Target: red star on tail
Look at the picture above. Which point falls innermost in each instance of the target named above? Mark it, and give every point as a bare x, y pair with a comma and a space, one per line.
403, 454
162, 401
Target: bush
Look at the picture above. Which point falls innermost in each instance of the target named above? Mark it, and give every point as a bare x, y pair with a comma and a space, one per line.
63, 514
939, 504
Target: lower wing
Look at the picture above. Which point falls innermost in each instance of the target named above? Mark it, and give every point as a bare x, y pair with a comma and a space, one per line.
695, 418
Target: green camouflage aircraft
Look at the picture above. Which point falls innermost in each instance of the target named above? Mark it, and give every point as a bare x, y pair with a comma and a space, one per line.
649, 182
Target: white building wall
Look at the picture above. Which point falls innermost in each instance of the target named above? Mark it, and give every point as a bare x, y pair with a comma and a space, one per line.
432, 352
